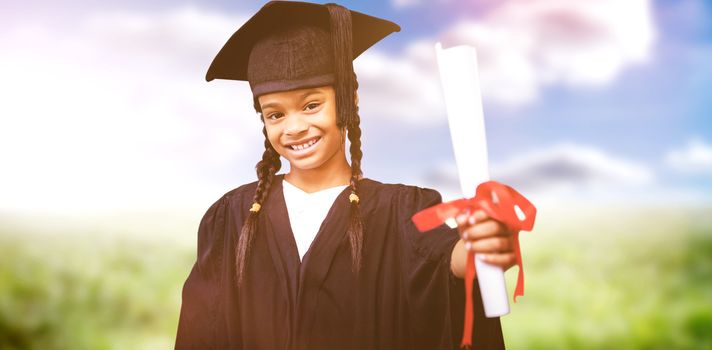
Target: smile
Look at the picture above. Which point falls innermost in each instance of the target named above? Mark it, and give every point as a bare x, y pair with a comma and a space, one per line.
306, 145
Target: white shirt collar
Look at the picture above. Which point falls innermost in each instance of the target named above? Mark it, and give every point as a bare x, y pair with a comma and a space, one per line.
307, 211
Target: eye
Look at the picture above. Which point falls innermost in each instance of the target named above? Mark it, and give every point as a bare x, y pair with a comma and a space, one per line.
274, 116
311, 105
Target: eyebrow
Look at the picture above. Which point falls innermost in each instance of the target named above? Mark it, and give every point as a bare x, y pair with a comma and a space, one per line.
303, 96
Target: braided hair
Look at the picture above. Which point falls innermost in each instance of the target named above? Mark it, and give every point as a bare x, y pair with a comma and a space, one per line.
266, 169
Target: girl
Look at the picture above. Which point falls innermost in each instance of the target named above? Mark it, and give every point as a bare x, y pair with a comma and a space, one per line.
321, 257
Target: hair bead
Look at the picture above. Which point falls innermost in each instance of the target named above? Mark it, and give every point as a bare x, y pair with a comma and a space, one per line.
353, 197
255, 207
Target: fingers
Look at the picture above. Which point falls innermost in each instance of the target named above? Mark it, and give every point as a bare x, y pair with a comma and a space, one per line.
490, 245
487, 237
467, 218
484, 229
505, 260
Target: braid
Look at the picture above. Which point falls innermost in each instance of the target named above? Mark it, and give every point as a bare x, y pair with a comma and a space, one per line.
355, 228
266, 169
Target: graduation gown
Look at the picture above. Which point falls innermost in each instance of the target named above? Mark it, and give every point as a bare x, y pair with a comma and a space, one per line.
405, 296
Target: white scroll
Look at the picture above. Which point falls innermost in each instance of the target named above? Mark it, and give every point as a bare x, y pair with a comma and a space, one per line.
463, 100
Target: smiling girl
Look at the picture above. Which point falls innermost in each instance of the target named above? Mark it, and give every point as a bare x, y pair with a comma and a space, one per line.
322, 257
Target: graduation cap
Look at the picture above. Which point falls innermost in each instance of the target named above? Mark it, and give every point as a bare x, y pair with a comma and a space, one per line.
291, 45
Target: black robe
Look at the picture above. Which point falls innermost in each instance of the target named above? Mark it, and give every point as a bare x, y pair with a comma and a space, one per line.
405, 297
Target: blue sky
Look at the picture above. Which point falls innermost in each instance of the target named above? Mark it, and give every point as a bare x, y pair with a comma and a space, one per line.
607, 100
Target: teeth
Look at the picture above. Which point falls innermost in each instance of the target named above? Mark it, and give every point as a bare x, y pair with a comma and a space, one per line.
304, 145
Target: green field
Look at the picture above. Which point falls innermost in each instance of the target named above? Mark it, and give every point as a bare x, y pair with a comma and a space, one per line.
623, 279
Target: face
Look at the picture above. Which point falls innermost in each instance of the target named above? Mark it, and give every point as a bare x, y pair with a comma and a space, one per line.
301, 126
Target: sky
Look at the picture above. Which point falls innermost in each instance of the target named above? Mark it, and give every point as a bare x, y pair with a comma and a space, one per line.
105, 105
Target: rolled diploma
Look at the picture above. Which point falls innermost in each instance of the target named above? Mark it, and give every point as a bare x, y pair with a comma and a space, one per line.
463, 101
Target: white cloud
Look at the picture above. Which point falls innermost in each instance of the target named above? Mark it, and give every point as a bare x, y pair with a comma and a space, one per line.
406, 3
398, 88
113, 111
572, 165
696, 157
526, 45
555, 170
186, 34
523, 47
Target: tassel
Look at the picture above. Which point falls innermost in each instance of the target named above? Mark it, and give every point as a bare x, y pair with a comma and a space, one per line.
341, 41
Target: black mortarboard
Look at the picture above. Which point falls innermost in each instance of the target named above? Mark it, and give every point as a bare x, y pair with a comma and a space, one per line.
289, 45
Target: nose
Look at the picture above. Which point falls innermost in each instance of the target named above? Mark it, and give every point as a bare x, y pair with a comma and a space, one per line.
295, 124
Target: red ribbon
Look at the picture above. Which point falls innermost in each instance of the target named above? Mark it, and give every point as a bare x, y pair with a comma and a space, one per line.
499, 201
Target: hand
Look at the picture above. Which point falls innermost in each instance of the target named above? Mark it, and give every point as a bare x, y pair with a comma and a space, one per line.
487, 237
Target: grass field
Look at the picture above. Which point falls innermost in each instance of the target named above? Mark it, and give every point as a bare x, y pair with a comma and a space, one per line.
622, 279
625, 279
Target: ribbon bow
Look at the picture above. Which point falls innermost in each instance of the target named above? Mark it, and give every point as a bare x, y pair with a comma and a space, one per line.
500, 202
